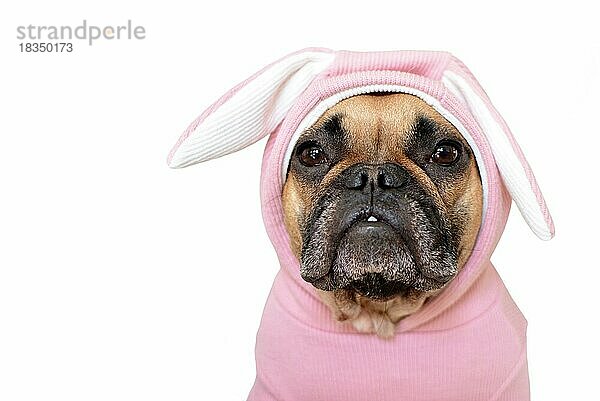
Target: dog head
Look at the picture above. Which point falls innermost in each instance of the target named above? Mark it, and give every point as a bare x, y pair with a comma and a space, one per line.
382, 197
380, 194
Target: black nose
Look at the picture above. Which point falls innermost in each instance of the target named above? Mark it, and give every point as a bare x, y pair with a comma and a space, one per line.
375, 176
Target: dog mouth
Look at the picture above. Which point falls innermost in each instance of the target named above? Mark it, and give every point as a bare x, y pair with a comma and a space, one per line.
377, 256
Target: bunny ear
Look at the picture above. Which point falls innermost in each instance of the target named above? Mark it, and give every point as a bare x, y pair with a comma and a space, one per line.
512, 165
249, 111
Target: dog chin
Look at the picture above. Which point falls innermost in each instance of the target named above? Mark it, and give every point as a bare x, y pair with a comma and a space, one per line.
373, 260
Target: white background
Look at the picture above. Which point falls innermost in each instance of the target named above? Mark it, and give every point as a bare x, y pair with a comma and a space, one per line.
121, 279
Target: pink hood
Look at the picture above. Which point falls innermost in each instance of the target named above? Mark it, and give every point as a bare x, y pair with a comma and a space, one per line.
466, 343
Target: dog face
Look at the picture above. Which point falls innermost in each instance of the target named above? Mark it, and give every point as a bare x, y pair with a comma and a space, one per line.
382, 199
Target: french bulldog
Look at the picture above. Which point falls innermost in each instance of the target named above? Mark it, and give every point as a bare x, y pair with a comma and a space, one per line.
386, 183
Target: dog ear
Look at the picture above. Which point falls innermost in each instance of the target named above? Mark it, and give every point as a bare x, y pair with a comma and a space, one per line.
512, 165
251, 110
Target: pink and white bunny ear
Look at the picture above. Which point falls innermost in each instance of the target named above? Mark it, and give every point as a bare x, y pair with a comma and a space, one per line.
249, 111
512, 165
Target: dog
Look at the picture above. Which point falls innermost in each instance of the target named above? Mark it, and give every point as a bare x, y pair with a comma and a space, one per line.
386, 182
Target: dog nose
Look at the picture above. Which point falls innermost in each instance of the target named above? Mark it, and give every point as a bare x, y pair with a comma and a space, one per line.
375, 176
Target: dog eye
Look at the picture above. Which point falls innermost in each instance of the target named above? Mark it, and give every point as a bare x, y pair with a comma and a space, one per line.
312, 155
445, 154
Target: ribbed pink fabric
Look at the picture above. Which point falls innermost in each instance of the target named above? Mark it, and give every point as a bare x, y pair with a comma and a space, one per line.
467, 343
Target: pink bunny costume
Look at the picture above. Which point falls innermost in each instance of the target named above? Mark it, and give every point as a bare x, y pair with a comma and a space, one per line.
468, 342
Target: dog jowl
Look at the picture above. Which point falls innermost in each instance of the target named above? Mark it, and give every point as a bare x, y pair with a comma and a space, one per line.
382, 200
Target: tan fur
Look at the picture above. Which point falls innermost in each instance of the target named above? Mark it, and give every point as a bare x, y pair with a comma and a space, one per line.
379, 128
